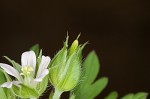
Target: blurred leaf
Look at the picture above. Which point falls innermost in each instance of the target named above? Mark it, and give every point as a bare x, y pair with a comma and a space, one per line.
2, 93
88, 89
91, 66
97, 88
112, 95
128, 96
36, 49
2, 77
27, 92
2, 80
139, 95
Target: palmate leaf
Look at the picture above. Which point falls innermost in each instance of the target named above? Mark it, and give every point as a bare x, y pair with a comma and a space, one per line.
88, 89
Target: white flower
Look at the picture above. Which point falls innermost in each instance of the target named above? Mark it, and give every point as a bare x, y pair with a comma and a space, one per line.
29, 75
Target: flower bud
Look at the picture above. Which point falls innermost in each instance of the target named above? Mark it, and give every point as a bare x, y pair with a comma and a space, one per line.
65, 68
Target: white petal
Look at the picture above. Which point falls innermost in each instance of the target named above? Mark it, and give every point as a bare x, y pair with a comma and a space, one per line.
41, 76
43, 65
28, 59
7, 84
16, 82
10, 70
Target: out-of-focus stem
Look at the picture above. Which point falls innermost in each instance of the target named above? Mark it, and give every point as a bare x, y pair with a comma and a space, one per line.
57, 94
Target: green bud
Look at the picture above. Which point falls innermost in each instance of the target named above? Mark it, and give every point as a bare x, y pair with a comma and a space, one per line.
73, 47
65, 67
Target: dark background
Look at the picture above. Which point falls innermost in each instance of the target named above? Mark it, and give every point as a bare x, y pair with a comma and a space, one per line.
118, 30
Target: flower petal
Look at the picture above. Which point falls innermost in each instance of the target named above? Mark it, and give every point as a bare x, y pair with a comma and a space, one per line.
28, 59
7, 84
10, 70
41, 76
43, 65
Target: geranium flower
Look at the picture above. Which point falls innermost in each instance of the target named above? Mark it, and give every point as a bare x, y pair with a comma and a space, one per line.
30, 73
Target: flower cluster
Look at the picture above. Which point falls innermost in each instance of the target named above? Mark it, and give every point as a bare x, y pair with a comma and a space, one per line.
30, 79
28, 75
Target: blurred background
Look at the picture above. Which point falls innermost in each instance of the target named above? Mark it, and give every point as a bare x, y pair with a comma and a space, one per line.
118, 30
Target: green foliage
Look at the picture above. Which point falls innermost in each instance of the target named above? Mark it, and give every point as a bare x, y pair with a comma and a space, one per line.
112, 95
2, 80
139, 95
24, 91
4, 92
65, 70
2, 77
89, 88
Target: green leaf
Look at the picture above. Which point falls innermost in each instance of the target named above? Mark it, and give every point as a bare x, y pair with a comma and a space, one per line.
2, 80
2, 93
112, 95
2, 77
36, 49
128, 96
141, 95
24, 91
15, 64
16, 90
88, 89
91, 66
96, 88
28, 92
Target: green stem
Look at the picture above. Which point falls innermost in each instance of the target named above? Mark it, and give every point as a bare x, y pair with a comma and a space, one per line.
57, 94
